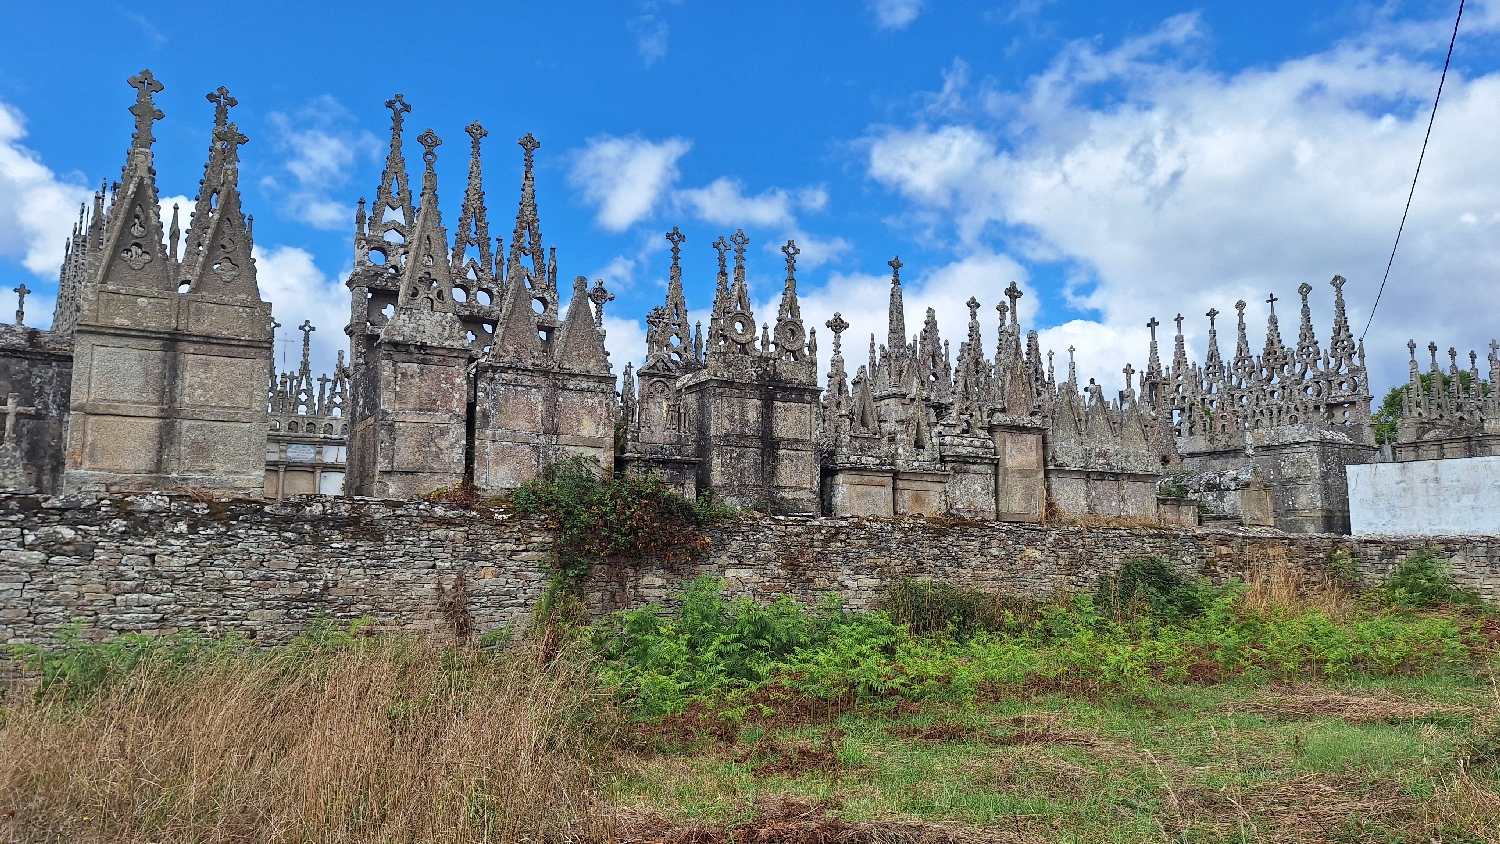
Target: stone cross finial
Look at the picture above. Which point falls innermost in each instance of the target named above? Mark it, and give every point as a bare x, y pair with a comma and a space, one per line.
229, 139
430, 143
21, 303
973, 306
1014, 294
676, 238
1272, 300
145, 110
791, 252
1152, 324
1178, 320
740, 241
529, 145
838, 326
476, 133
895, 265
398, 107
223, 102
1432, 350
12, 410
1411, 347
1212, 314
1129, 374
599, 296
721, 246
1452, 359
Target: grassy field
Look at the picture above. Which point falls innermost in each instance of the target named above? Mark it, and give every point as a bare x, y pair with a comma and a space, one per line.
1147, 709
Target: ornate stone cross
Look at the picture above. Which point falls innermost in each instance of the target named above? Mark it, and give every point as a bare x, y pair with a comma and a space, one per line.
1212, 314
676, 237
145, 109
13, 409
21, 303
791, 252
838, 326
529, 146
740, 241
1152, 324
1178, 320
223, 102
599, 296
1272, 300
721, 246
895, 265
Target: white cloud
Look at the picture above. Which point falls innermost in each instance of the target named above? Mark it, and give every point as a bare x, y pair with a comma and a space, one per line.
37, 207
322, 150
626, 341
651, 34
1187, 189
895, 14
626, 176
724, 201
299, 291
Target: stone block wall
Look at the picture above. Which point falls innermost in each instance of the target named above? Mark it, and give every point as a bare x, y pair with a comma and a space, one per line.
156, 564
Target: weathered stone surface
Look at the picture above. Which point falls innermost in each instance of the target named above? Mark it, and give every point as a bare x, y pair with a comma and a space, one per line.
157, 564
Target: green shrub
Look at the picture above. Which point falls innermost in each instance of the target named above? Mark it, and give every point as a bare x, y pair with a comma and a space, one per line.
927, 606
1423, 580
1151, 586
628, 516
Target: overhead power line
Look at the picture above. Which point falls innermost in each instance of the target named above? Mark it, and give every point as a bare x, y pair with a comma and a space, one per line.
1413, 191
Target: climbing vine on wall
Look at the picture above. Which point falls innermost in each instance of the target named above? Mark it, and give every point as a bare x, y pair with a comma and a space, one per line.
628, 517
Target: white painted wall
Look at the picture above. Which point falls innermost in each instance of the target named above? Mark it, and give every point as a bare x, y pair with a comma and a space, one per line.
1457, 497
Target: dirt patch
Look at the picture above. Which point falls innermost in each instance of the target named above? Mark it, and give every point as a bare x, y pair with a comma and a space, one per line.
1051, 735
1301, 705
785, 821
941, 733
1312, 808
797, 760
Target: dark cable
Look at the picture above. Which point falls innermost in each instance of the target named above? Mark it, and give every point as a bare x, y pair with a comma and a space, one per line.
1413, 191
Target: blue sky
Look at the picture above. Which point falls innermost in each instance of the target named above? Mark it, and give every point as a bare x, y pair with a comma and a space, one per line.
1118, 160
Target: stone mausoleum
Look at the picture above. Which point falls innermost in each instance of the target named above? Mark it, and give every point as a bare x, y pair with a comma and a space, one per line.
466, 367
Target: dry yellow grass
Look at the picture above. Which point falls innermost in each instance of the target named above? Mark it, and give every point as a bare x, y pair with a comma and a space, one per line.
382, 741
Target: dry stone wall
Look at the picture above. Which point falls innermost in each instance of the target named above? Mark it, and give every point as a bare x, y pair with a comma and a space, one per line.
158, 563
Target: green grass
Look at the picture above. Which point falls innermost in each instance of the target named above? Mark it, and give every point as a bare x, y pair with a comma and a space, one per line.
1082, 719
1100, 770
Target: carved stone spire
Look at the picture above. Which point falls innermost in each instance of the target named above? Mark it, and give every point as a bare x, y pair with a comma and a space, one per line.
581, 346
896, 316
1341, 348
477, 270
218, 258
1242, 357
836, 403
132, 251
539, 278
1179, 351
718, 329
739, 320
1214, 366
424, 307
791, 337
669, 337
392, 212
1307, 340
1273, 357
1153, 360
